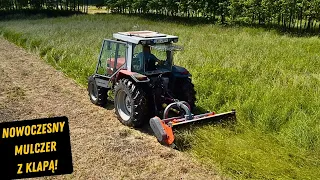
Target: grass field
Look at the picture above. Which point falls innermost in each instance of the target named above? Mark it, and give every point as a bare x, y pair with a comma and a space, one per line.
272, 80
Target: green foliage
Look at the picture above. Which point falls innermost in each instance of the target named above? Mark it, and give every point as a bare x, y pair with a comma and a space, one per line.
296, 15
289, 14
71, 5
272, 81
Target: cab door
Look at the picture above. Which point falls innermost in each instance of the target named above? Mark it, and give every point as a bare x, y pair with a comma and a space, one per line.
112, 58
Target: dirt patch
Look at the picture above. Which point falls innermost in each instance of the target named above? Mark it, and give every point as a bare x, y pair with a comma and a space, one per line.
102, 148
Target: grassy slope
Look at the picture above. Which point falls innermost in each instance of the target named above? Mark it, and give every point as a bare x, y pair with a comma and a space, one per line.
271, 80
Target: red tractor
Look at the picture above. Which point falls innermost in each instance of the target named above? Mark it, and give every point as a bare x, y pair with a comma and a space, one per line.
146, 86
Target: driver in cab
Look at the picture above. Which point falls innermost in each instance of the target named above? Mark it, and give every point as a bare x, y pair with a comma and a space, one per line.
150, 59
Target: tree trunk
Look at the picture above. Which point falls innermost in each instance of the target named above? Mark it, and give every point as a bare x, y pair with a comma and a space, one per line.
309, 24
252, 18
222, 18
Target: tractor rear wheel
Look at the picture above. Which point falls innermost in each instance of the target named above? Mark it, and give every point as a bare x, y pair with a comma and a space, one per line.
184, 91
130, 104
98, 95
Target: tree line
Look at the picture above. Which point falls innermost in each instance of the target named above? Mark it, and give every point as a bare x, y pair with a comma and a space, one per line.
65, 5
288, 14
301, 15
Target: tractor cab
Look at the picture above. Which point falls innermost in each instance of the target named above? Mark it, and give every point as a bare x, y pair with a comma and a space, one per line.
144, 52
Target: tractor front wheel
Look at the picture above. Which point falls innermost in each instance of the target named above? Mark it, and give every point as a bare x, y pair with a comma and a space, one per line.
130, 103
98, 95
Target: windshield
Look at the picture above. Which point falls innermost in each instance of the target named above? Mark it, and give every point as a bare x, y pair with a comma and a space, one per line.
153, 59
167, 47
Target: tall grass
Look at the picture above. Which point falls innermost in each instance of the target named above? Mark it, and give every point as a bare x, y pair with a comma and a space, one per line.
271, 80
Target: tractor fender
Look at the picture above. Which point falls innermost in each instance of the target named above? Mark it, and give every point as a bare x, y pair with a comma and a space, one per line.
133, 75
180, 72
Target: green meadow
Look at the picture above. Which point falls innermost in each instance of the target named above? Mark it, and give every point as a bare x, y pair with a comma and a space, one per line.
271, 79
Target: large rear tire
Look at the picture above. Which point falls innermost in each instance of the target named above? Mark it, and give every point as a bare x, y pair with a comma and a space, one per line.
130, 104
184, 91
98, 95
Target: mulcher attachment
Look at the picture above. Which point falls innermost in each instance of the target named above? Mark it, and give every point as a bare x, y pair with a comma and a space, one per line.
162, 131
163, 128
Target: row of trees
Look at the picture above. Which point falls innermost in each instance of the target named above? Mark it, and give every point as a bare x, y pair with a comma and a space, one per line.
68, 5
302, 15
289, 14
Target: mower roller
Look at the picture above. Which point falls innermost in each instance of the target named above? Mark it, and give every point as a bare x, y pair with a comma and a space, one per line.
146, 86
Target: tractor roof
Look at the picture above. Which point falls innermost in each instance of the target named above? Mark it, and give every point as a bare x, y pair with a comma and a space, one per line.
145, 37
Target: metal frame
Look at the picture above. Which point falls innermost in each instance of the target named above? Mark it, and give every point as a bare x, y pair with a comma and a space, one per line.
164, 38
129, 54
99, 62
202, 118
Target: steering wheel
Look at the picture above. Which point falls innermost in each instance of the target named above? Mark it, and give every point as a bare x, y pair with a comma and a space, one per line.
162, 63
135, 61
159, 63
135, 55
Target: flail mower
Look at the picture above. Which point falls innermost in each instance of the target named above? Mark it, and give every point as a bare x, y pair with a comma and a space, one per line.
146, 86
